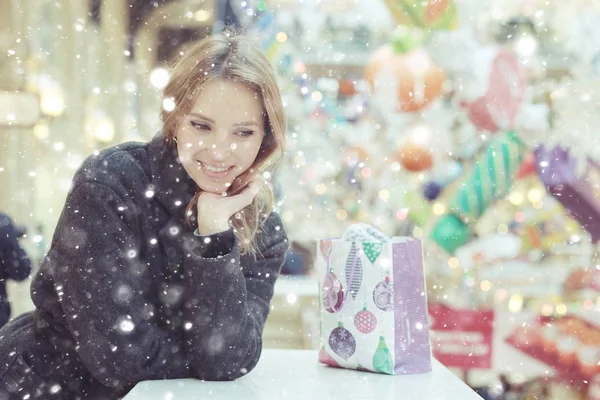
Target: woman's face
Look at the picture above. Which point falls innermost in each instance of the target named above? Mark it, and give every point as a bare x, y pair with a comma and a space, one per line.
220, 137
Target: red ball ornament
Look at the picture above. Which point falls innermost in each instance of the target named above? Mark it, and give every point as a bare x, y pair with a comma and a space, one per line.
365, 321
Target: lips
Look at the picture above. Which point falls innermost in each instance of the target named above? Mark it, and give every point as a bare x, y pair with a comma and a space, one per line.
215, 171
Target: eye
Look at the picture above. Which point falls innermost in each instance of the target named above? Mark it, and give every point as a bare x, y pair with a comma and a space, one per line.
245, 134
200, 126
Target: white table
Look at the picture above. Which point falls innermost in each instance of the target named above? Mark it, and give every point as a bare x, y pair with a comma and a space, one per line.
296, 374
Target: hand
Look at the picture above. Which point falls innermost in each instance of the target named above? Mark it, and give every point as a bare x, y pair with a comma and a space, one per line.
214, 211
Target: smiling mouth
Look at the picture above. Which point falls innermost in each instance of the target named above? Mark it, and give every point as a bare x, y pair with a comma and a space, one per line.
213, 171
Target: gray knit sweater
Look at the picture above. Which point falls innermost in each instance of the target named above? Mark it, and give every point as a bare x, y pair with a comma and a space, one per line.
128, 293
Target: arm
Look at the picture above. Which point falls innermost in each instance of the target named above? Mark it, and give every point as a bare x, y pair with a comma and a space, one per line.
95, 255
13, 260
226, 313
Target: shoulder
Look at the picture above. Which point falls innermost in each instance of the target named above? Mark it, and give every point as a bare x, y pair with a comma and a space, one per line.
122, 168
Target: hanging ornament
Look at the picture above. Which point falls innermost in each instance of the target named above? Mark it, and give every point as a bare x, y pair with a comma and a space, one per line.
415, 152
527, 167
325, 247
333, 293
354, 271
365, 321
415, 157
383, 295
428, 14
342, 342
372, 250
431, 190
489, 179
325, 358
382, 359
402, 74
497, 108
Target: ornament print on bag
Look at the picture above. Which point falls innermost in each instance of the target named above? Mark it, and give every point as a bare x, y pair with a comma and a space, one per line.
333, 293
382, 359
383, 295
325, 358
372, 251
365, 321
342, 342
325, 247
354, 271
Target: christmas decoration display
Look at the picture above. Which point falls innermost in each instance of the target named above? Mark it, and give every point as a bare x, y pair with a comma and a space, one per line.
497, 108
580, 195
457, 124
490, 178
417, 79
570, 344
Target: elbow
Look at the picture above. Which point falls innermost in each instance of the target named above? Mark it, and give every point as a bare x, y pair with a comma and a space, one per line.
227, 362
127, 365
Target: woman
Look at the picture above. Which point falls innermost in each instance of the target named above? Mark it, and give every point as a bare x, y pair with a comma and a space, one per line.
137, 286
14, 262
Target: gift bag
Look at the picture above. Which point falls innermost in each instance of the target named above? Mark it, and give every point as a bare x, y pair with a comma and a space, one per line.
373, 305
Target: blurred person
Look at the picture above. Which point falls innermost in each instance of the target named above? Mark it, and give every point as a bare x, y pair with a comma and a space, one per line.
14, 262
165, 256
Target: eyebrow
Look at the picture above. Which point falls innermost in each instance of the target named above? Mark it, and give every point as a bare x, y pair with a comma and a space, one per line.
237, 124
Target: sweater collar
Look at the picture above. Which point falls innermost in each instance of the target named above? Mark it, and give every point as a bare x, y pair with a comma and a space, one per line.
173, 187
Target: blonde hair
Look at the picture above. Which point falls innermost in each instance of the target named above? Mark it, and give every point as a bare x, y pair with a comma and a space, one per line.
236, 57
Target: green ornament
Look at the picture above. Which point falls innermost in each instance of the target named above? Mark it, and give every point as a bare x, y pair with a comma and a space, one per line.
425, 14
491, 176
450, 233
382, 359
372, 251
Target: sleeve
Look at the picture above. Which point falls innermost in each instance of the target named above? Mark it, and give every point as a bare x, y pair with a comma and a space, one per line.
225, 314
218, 244
13, 259
99, 275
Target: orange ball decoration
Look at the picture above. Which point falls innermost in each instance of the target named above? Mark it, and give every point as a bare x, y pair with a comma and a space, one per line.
415, 157
419, 81
346, 87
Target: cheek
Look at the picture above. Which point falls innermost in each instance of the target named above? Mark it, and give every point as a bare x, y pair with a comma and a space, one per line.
188, 149
250, 150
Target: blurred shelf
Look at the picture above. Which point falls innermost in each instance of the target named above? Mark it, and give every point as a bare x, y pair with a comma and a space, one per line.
334, 63
298, 285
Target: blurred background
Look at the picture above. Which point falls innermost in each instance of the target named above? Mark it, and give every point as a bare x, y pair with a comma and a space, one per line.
473, 125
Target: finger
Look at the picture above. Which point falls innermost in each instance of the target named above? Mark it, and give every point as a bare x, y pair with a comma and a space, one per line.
246, 197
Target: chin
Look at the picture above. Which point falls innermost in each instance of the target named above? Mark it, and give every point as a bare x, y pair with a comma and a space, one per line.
212, 187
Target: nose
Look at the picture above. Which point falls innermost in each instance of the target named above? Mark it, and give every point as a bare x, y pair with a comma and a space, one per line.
219, 148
